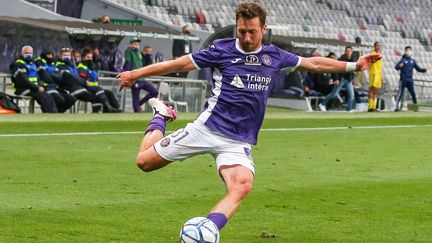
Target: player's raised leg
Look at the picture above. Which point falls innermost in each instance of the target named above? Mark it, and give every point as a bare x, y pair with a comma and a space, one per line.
148, 159
238, 181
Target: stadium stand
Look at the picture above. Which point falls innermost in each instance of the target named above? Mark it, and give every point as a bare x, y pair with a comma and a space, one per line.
318, 25
395, 23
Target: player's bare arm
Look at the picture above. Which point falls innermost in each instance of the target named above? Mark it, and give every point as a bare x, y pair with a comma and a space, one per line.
322, 64
182, 64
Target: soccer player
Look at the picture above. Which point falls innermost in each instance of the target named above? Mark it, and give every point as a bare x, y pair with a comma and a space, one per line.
406, 66
243, 70
375, 80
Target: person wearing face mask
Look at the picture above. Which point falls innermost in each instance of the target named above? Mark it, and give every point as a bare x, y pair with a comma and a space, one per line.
147, 56
406, 66
47, 72
99, 63
134, 60
75, 85
26, 80
86, 70
182, 47
76, 57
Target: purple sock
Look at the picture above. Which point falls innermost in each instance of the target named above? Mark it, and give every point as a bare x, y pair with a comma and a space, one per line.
158, 123
219, 219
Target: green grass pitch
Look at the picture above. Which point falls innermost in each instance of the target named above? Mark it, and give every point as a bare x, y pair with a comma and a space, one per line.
335, 185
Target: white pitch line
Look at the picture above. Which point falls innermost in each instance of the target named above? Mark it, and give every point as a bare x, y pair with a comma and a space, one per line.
263, 130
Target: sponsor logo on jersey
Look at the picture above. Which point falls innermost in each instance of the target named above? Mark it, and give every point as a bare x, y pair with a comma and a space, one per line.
252, 60
236, 60
237, 82
266, 59
257, 82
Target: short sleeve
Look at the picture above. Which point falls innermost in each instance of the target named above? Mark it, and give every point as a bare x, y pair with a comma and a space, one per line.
289, 60
208, 57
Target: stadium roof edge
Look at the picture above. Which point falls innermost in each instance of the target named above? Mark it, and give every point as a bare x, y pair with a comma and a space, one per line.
90, 28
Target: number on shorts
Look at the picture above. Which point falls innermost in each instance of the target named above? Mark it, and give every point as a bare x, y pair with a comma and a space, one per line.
182, 135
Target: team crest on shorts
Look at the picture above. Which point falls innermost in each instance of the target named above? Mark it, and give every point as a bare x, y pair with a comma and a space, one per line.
266, 59
164, 143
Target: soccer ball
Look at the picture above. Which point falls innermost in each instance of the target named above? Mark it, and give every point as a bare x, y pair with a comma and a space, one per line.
199, 230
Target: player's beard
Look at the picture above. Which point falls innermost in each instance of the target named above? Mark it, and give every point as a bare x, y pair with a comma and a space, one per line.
249, 46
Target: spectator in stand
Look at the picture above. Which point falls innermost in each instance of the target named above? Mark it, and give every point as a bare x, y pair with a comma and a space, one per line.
90, 75
134, 60
47, 72
78, 87
26, 80
76, 55
319, 84
99, 63
375, 80
105, 19
147, 56
182, 47
116, 60
406, 66
346, 80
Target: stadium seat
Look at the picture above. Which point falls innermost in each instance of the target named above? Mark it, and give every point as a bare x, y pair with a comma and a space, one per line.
165, 95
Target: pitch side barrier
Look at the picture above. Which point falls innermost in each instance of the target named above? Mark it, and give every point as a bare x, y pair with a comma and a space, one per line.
191, 91
424, 90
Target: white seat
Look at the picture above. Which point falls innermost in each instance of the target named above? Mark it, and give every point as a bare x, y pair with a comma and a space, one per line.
165, 95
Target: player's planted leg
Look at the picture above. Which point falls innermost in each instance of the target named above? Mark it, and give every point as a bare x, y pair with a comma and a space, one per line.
238, 180
148, 159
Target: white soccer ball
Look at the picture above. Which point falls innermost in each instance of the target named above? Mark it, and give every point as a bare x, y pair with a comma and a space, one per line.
199, 230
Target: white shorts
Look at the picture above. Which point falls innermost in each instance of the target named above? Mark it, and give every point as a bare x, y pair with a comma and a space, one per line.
196, 139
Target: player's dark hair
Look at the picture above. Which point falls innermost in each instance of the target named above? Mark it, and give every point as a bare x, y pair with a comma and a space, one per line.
376, 43
408, 47
250, 11
348, 47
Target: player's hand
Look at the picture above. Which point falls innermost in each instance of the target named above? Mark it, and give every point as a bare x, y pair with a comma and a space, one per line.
336, 82
401, 65
126, 79
366, 61
41, 89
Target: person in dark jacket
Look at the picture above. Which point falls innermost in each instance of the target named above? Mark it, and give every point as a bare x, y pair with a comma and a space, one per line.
86, 70
26, 80
47, 72
319, 84
70, 81
345, 80
406, 66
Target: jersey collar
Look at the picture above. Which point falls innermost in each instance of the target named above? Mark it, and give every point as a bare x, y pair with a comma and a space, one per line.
237, 45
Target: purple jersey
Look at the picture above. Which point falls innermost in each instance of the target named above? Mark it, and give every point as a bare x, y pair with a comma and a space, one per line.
242, 85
